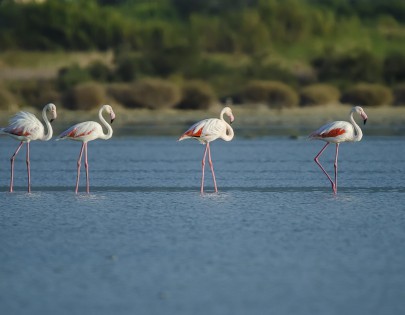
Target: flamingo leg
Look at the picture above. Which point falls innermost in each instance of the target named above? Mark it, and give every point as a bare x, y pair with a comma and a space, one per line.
212, 167
86, 165
203, 166
78, 167
323, 170
28, 166
336, 167
12, 166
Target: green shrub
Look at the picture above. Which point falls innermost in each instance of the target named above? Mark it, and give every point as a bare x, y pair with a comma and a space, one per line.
272, 93
368, 95
269, 72
399, 94
71, 76
121, 93
131, 66
36, 93
394, 68
319, 94
153, 94
197, 95
99, 71
85, 96
7, 99
354, 66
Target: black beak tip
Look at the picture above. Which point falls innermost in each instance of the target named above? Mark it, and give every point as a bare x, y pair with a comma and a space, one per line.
112, 120
365, 120
51, 120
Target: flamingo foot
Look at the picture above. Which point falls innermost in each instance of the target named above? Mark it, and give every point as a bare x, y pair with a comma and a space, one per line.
334, 188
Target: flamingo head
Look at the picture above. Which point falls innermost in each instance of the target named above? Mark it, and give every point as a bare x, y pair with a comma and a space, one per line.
361, 112
110, 111
228, 112
52, 109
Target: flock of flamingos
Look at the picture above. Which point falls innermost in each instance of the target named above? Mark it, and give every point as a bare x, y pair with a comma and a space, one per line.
25, 127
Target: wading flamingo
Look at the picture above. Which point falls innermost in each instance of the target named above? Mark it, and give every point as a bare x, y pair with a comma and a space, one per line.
25, 127
337, 132
85, 132
208, 130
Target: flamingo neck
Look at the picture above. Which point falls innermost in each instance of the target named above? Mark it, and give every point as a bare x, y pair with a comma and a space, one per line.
49, 135
228, 136
359, 133
109, 133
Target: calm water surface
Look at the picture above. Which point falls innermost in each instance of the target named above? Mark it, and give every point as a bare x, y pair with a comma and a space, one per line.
273, 241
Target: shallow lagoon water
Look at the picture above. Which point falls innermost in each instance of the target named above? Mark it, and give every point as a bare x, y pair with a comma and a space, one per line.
274, 240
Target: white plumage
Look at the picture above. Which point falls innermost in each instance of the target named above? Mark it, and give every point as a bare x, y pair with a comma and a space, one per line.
25, 127
208, 130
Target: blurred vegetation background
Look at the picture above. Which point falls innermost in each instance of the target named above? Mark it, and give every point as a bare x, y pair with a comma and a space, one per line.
189, 54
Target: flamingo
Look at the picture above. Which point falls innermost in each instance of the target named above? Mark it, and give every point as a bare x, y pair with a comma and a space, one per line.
25, 127
337, 132
85, 132
208, 130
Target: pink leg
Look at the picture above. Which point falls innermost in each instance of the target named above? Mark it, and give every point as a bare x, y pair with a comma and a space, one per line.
319, 164
203, 165
78, 167
12, 166
212, 167
28, 167
336, 167
86, 165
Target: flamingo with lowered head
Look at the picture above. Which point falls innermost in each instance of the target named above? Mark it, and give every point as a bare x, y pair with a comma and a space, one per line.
85, 132
337, 132
208, 130
25, 127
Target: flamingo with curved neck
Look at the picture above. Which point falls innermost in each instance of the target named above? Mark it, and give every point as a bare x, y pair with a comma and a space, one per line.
208, 130
85, 132
25, 127
338, 132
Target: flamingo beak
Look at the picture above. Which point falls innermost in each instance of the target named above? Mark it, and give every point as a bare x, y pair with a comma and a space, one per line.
231, 119
54, 115
365, 120
112, 117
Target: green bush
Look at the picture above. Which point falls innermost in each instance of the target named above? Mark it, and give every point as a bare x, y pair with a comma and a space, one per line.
319, 94
394, 68
272, 93
7, 99
68, 77
147, 93
36, 93
85, 96
356, 65
99, 71
366, 94
132, 66
197, 95
399, 94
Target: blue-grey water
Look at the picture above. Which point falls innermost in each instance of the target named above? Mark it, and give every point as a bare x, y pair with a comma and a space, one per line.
274, 240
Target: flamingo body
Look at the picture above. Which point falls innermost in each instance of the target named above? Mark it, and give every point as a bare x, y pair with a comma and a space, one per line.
208, 130
25, 127
85, 132
337, 132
